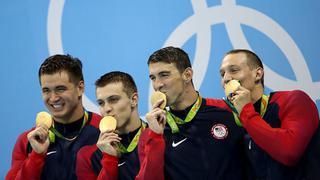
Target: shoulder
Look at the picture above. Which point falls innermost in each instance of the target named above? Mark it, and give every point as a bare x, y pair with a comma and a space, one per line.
294, 96
296, 102
219, 103
87, 151
94, 119
22, 141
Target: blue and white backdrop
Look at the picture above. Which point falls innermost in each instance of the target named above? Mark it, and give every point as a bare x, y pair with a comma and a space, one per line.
120, 35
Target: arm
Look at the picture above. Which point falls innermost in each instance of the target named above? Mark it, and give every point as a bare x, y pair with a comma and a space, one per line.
151, 145
84, 168
299, 120
109, 169
151, 155
25, 166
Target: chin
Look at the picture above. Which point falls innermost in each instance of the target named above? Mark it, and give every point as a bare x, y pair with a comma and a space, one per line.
59, 114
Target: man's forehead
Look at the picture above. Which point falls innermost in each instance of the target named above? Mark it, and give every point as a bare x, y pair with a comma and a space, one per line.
113, 88
56, 75
161, 67
55, 78
234, 60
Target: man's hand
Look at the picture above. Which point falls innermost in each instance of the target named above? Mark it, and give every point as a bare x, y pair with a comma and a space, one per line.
240, 98
107, 142
156, 118
39, 139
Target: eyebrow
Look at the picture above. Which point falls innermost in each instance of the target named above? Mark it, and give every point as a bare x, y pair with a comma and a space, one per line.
161, 72
60, 86
108, 98
113, 96
230, 66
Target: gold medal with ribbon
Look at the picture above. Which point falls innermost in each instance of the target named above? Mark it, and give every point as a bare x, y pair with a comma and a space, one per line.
174, 120
134, 142
53, 132
263, 108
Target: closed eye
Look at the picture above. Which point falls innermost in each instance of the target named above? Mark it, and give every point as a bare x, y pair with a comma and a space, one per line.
60, 89
222, 73
152, 78
234, 70
113, 99
100, 102
164, 74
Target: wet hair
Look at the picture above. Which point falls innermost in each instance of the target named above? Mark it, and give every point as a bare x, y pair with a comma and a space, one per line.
128, 84
58, 63
253, 60
171, 55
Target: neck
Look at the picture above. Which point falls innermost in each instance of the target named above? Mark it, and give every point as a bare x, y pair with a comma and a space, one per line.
256, 94
186, 99
133, 124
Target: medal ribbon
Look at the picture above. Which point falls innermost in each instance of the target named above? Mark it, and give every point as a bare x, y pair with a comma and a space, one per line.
174, 120
263, 108
133, 144
53, 132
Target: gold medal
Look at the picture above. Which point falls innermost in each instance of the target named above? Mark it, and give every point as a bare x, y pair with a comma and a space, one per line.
231, 87
44, 118
156, 96
108, 123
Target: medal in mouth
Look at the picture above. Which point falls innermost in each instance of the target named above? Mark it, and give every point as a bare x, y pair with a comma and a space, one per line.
231, 87
156, 96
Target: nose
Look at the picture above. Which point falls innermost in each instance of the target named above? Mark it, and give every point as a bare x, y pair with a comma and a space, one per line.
157, 84
106, 109
226, 77
54, 97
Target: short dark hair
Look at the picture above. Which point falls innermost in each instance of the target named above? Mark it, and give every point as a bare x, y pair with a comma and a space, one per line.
129, 86
171, 55
59, 63
253, 59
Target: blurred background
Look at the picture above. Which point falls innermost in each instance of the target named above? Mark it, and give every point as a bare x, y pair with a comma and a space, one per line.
121, 35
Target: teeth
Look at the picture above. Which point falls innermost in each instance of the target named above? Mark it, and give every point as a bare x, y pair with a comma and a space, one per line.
57, 105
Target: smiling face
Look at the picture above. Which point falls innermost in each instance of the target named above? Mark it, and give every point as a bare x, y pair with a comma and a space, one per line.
62, 97
113, 101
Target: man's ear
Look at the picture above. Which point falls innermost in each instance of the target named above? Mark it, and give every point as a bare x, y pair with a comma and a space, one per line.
80, 88
259, 74
187, 75
134, 99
